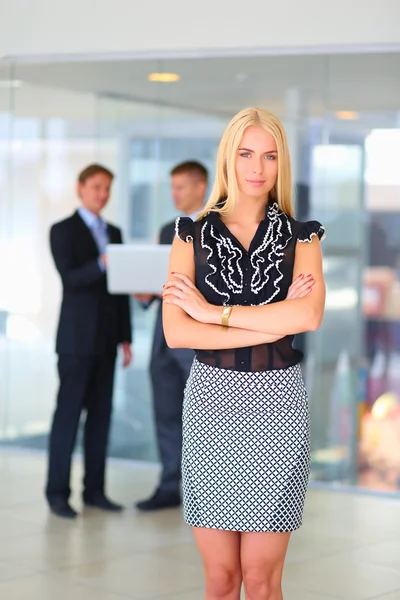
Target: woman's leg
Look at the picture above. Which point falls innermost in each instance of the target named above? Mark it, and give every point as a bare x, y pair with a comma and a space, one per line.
220, 551
262, 557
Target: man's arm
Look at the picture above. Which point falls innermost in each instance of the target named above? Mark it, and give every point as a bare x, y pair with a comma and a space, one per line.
62, 251
124, 319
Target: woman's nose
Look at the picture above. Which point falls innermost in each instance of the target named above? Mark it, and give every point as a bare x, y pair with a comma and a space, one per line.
257, 167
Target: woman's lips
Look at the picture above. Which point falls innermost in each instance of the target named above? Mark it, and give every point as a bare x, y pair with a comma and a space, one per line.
256, 181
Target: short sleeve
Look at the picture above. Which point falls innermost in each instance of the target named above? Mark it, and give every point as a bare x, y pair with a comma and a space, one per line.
184, 229
310, 229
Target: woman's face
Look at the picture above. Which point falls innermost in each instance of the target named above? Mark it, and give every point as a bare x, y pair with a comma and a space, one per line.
256, 163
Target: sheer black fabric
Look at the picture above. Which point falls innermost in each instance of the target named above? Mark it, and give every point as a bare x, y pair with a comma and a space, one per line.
228, 274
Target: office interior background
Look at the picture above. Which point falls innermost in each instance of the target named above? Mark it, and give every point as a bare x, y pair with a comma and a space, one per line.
341, 111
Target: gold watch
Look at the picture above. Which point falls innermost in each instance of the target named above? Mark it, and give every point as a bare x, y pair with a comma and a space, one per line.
226, 313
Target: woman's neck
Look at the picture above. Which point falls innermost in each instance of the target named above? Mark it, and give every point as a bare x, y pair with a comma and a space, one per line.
248, 210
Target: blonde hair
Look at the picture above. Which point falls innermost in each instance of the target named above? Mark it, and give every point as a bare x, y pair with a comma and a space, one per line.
224, 195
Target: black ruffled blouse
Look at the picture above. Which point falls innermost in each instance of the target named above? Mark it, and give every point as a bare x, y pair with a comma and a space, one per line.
228, 274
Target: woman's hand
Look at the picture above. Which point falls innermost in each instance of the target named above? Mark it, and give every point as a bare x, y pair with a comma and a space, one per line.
300, 287
182, 292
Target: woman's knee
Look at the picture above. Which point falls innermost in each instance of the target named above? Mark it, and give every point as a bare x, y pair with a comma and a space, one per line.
262, 583
222, 582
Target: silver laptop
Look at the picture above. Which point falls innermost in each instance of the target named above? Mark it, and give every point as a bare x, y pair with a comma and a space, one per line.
137, 268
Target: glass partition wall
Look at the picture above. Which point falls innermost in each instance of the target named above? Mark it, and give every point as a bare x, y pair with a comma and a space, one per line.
342, 118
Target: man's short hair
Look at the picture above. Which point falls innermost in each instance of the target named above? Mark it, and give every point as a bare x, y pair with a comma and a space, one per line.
92, 170
192, 167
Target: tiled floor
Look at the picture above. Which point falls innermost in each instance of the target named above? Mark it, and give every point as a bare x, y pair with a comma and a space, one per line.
348, 547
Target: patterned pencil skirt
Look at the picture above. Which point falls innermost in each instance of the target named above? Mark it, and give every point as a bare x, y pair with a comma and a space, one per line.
246, 449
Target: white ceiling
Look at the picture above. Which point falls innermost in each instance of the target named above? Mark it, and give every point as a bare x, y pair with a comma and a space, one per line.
359, 82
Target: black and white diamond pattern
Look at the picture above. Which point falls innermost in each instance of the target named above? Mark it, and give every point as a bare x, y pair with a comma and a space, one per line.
246, 449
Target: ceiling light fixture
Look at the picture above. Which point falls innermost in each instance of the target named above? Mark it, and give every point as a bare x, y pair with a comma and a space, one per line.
347, 115
241, 77
164, 77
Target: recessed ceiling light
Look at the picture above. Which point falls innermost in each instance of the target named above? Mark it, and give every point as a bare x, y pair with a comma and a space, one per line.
241, 77
10, 83
164, 77
346, 115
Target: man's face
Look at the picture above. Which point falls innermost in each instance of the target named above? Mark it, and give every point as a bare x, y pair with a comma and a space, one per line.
95, 192
188, 192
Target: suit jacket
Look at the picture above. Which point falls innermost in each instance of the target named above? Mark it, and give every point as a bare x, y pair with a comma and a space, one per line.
92, 321
182, 355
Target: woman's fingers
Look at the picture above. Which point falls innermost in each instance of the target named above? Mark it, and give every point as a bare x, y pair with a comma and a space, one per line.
182, 284
186, 286
295, 286
307, 285
174, 300
185, 279
302, 293
300, 287
174, 291
175, 284
300, 281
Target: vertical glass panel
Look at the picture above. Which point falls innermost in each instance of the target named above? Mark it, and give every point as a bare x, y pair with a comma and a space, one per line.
333, 351
150, 140
379, 463
53, 136
7, 87
119, 123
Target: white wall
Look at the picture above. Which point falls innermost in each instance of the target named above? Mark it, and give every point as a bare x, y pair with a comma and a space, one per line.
42, 27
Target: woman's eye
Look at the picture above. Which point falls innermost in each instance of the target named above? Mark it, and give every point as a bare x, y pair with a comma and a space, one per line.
270, 157
245, 154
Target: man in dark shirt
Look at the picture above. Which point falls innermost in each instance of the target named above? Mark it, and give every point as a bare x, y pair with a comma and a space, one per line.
92, 325
170, 368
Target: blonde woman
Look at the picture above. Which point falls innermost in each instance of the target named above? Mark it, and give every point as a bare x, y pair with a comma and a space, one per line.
248, 278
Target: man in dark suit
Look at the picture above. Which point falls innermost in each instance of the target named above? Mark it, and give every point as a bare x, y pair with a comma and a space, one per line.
170, 368
92, 325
